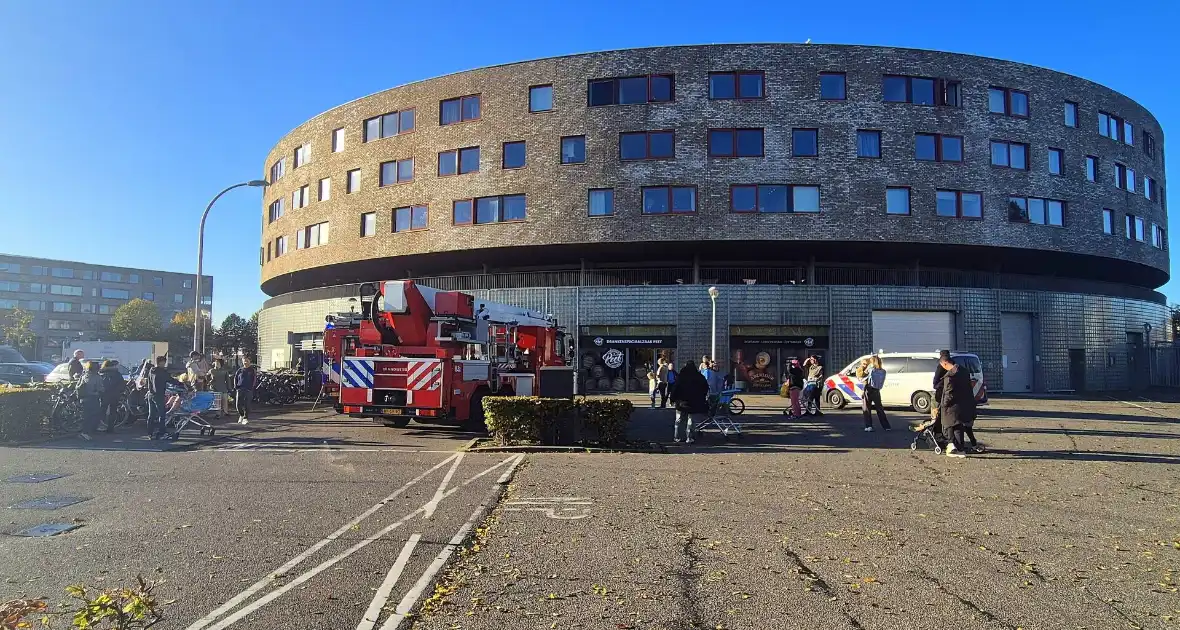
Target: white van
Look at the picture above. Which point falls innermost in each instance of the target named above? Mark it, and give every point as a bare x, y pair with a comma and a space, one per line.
909, 380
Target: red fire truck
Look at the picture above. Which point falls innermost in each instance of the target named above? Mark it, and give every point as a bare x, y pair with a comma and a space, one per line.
415, 352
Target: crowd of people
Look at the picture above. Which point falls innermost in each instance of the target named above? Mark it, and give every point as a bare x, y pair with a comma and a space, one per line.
101, 389
695, 389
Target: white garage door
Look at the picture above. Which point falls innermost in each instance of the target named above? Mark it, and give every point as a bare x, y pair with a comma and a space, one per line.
913, 331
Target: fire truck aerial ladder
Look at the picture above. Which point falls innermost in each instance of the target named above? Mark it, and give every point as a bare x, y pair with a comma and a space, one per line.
415, 352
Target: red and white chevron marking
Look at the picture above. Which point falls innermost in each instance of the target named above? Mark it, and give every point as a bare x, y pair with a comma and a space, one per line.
423, 375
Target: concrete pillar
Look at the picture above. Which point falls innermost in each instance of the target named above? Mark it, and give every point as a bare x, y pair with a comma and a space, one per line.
696, 268
811, 270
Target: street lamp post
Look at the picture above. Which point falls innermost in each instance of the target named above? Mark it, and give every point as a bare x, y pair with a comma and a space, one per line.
201, 258
65, 341
713, 293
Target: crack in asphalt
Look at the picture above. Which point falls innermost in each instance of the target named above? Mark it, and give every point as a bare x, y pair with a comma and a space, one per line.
1072, 442
814, 578
686, 578
962, 600
1134, 624
1028, 567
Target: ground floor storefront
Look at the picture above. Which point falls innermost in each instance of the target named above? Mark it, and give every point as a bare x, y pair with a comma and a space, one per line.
1028, 341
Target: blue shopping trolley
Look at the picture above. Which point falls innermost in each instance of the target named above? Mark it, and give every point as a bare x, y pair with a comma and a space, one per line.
192, 405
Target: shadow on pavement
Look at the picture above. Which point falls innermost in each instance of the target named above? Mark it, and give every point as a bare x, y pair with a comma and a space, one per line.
986, 412
1090, 456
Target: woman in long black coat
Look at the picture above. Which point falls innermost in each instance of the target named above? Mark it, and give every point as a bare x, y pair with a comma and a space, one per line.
957, 407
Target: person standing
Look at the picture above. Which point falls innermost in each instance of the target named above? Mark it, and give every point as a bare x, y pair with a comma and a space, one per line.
89, 391
113, 387
662, 370
716, 382
158, 380
794, 388
706, 361
689, 394
874, 380
813, 386
957, 407
652, 385
219, 381
197, 369
76, 367
245, 380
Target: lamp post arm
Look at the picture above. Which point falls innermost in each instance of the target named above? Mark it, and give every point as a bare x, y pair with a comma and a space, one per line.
201, 266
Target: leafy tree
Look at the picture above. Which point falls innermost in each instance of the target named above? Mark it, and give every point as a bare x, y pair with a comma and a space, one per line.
179, 334
137, 320
250, 337
17, 330
1175, 321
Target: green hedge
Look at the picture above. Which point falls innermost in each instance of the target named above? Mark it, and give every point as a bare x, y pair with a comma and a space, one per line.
519, 420
23, 412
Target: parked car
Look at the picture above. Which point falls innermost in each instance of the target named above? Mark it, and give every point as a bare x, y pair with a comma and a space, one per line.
8, 354
62, 371
23, 372
909, 380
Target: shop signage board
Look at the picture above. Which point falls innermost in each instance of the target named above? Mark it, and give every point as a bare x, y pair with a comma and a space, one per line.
636, 341
800, 341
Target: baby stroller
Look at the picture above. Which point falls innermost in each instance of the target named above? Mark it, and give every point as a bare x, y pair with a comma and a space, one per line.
188, 412
928, 436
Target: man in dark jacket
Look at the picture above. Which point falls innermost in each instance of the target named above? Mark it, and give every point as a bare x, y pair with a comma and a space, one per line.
76, 368
113, 386
956, 407
244, 381
690, 395
158, 380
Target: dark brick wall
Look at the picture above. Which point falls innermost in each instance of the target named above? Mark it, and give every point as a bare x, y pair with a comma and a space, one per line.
852, 190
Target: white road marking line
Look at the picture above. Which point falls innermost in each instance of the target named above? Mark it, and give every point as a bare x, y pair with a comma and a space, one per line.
374, 612
411, 599
293, 562
275, 594
438, 494
1147, 409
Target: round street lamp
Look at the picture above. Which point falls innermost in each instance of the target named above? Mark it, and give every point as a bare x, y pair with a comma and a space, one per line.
713, 293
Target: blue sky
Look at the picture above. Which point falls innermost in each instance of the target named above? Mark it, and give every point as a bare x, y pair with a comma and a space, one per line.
119, 120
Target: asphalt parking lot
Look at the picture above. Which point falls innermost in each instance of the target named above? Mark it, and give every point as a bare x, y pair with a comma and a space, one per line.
1071, 520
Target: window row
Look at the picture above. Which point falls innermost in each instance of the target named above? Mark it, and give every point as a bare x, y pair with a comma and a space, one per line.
84, 274
1136, 228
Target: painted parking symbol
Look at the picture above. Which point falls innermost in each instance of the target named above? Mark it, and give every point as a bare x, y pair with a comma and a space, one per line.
559, 508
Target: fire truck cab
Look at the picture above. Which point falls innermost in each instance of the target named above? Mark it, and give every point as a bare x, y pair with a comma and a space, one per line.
415, 352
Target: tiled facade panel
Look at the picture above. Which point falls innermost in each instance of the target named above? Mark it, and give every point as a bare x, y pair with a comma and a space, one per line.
852, 189
1061, 322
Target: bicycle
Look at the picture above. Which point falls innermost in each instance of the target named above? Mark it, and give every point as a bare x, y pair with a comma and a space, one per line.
65, 416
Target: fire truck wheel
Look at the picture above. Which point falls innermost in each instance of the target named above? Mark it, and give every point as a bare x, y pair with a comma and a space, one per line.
397, 423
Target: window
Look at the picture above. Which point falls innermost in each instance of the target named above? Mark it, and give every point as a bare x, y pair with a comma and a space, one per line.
1009, 154
157, 282
9, 286
1091, 168
897, 200
602, 202
36, 305
387, 125
1139, 229
573, 149
110, 276
647, 145
921, 91
1128, 132
959, 204
938, 148
458, 161
1149, 144
514, 155
337, 140
368, 224
540, 98
1124, 177
457, 110
269, 251
188, 284
89, 308
1157, 236
61, 324
62, 307
1110, 126
655, 88
116, 294
353, 182
325, 192
107, 309
149, 296
868, 143
1107, 221
832, 86
58, 272
37, 287
302, 154
1130, 179
38, 270
805, 142
666, 199
9, 304
277, 170
1071, 114
1056, 161
275, 211
280, 246
10, 267
133, 278
1149, 188
300, 198
736, 85
1007, 101
735, 143
65, 289
311, 236
773, 198
489, 210
412, 218
396, 172
1036, 210
177, 298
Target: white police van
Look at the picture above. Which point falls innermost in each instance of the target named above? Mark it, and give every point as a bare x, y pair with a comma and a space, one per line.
909, 380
